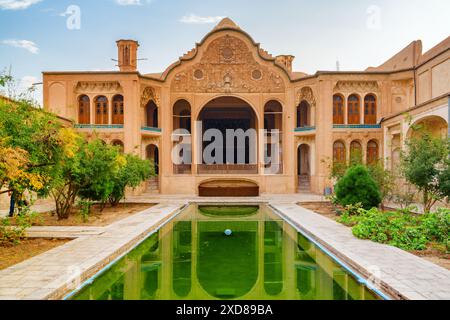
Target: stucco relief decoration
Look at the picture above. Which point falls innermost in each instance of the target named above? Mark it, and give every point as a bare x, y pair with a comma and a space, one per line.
356, 86
148, 141
401, 87
306, 94
227, 65
149, 93
98, 87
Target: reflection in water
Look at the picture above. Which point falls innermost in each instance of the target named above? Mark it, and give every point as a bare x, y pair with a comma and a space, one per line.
191, 258
182, 258
227, 265
273, 258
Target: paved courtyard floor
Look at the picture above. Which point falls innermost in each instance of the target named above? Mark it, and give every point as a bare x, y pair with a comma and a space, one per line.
55, 273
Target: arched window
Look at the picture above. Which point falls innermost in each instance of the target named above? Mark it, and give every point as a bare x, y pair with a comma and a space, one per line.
339, 152
273, 124
273, 116
356, 153
101, 110
370, 109
84, 110
338, 109
182, 115
303, 115
354, 107
152, 154
117, 110
151, 111
372, 152
119, 144
182, 123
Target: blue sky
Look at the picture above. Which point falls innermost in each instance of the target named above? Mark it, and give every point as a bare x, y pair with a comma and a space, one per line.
34, 35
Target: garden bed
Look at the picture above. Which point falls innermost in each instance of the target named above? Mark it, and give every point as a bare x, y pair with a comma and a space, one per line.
97, 218
26, 249
432, 254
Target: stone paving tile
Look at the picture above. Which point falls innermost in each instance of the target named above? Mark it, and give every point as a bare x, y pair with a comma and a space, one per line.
63, 232
400, 274
40, 206
52, 274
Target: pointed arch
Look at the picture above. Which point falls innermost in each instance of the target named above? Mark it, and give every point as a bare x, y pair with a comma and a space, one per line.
101, 110
151, 115
338, 109
339, 152
354, 109
372, 152
356, 152
370, 109
84, 109
118, 109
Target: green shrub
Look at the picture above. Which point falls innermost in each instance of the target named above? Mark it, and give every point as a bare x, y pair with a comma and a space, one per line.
357, 186
403, 230
11, 235
130, 175
85, 209
437, 225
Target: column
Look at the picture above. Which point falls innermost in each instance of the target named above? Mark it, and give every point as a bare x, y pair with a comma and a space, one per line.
110, 103
261, 138
132, 132
92, 109
345, 109
362, 107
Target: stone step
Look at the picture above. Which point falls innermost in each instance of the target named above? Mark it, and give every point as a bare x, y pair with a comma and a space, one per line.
153, 186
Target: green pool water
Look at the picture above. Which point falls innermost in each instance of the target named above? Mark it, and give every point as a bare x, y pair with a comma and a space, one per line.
191, 258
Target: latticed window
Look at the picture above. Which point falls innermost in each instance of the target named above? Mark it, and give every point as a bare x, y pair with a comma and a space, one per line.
372, 152
338, 109
356, 153
118, 110
339, 152
84, 113
101, 110
354, 110
370, 109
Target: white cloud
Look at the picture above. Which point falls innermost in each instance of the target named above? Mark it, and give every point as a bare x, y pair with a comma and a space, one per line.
27, 82
129, 2
17, 4
194, 19
23, 44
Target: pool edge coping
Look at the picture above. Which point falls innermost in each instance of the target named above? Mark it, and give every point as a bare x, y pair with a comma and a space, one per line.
348, 264
67, 282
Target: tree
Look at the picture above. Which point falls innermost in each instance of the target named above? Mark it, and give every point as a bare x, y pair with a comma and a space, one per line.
86, 173
32, 142
130, 175
100, 164
13, 162
426, 165
357, 186
383, 178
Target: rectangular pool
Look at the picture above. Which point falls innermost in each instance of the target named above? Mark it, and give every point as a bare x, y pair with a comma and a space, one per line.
213, 252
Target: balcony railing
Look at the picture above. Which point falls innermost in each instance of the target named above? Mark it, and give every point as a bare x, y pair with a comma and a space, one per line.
182, 169
227, 169
305, 129
151, 129
98, 126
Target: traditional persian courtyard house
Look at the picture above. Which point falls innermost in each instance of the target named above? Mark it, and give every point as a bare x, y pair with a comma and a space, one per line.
229, 82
